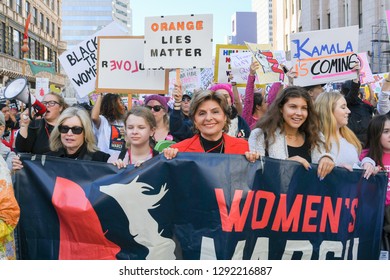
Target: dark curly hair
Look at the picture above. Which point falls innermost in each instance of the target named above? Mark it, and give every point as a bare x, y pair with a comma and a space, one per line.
109, 107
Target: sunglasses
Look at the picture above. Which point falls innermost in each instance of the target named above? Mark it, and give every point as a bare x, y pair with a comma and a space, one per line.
50, 103
155, 108
75, 129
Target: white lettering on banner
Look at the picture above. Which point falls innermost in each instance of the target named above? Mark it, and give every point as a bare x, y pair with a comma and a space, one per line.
261, 249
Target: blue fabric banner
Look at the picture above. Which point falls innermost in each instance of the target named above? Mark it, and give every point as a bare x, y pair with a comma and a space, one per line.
40, 66
197, 206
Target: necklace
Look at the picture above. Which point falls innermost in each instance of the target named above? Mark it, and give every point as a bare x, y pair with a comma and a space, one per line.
210, 147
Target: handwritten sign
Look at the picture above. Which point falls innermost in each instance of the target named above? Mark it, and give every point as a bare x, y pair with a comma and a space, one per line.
121, 68
325, 55
223, 67
365, 70
79, 63
41, 87
178, 41
240, 64
270, 71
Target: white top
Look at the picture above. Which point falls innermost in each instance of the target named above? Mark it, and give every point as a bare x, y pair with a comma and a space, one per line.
347, 154
110, 137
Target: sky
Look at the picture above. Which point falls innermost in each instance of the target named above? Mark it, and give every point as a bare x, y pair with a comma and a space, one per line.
222, 11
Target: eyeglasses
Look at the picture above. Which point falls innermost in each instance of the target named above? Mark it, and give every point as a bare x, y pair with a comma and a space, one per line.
50, 103
186, 99
75, 129
155, 108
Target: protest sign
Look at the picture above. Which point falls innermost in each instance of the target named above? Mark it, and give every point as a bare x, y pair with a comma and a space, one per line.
223, 67
240, 66
120, 67
79, 63
183, 41
190, 79
41, 87
267, 210
270, 70
324, 56
365, 70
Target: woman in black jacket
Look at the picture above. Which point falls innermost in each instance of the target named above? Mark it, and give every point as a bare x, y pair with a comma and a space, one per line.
72, 138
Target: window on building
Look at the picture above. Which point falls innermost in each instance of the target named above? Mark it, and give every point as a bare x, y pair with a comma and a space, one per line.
53, 28
27, 8
35, 16
328, 17
10, 3
41, 20
58, 7
2, 37
360, 7
55, 60
233, 26
318, 24
292, 7
32, 49
10, 40
19, 7
59, 34
45, 53
47, 26
16, 44
52, 5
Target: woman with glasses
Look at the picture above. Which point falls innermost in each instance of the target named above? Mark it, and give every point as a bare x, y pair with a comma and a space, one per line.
72, 138
33, 136
159, 106
107, 116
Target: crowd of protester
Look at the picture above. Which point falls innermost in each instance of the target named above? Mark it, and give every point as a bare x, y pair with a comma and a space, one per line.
302, 124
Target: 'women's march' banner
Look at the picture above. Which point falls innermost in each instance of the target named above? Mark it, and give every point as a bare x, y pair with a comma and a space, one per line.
196, 206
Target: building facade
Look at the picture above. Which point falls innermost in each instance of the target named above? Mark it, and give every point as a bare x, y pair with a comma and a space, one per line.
81, 19
44, 39
122, 13
243, 28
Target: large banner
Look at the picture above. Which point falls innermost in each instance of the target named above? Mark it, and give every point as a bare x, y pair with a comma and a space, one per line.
197, 206
79, 63
183, 41
121, 69
324, 56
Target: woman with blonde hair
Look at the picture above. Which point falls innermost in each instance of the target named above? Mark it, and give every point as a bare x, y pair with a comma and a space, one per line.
340, 141
72, 138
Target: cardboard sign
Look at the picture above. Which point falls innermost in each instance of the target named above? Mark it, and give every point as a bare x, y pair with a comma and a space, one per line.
241, 63
79, 63
270, 70
223, 67
120, 67
41, 87
365, 70
324, 56
178, 41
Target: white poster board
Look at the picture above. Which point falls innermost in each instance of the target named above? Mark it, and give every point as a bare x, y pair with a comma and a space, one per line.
179, 41
41, 87
324, 56
79, 63
223, 66
120, 67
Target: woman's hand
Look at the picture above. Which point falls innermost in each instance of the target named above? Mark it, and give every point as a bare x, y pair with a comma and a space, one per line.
369, 170
16, 163
254, 67
170, 153
252, 156
302, 161
325, 166
120, 164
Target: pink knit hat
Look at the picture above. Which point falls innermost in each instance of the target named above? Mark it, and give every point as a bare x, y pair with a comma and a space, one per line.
161, 99
227, 87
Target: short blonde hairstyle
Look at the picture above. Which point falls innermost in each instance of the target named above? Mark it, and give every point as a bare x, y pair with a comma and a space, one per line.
85, 119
